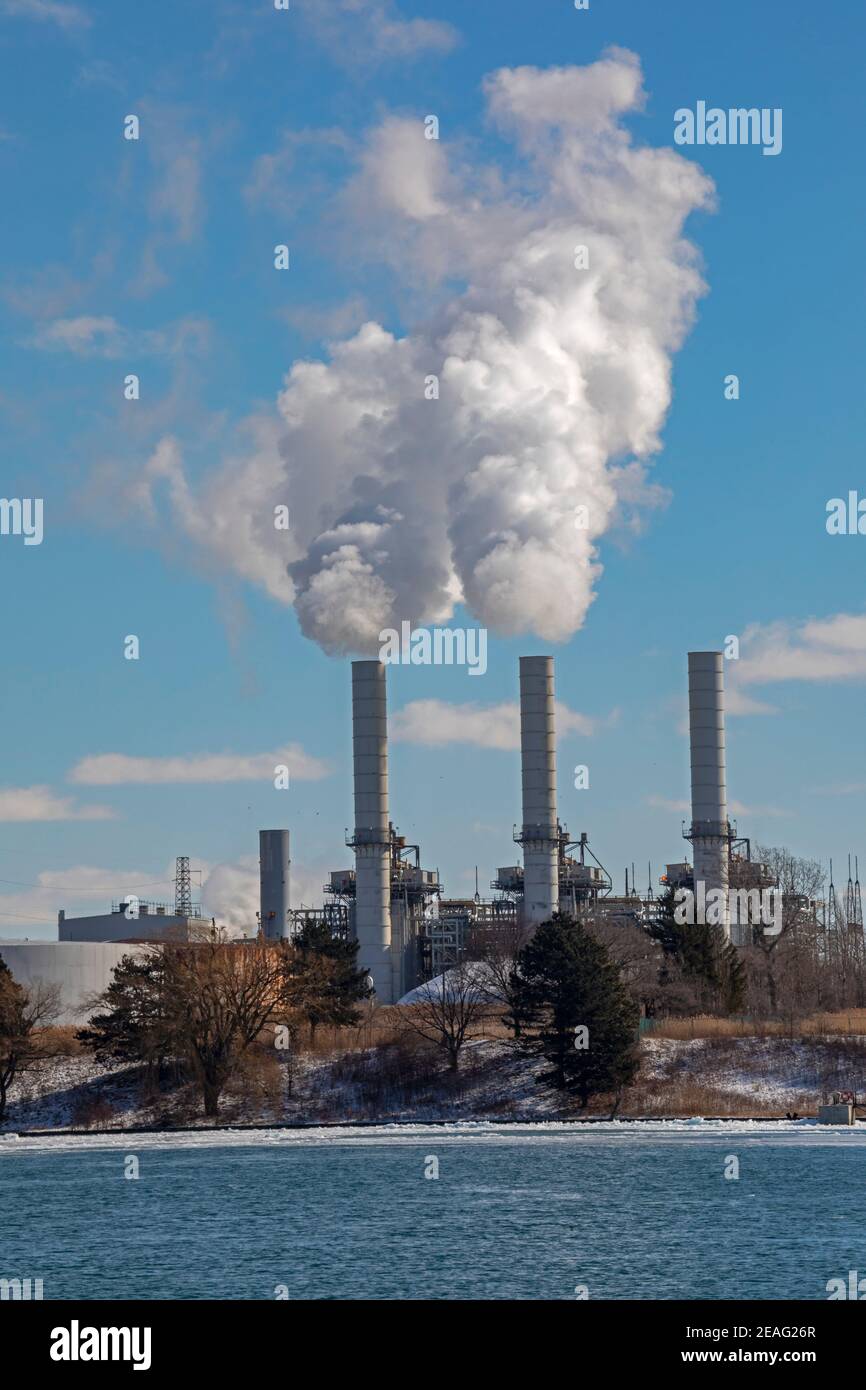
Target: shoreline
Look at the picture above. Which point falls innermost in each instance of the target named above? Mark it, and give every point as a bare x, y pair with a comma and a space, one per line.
493, 1123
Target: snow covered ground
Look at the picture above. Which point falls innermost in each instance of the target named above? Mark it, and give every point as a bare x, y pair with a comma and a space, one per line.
745, 1077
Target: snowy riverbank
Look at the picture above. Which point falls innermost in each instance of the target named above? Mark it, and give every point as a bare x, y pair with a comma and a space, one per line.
749, 1078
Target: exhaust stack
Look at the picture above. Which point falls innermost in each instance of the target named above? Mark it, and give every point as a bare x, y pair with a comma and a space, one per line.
274, 868
371, 840
539, 834
709, 832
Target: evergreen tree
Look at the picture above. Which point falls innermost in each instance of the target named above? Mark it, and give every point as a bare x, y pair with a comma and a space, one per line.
567, 983
134, 1025
341, 985
699, 950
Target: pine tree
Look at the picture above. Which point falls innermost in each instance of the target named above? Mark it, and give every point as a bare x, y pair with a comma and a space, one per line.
709, 962
568, 984
134, 1026
341, 986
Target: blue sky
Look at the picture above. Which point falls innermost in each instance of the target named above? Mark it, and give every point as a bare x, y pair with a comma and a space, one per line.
155, 257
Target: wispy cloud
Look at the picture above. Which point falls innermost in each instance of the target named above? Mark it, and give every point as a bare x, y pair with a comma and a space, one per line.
120, 769
40, 803
90, 335
369, 30
839, 789
333, 322
80, 889
664, 803
275, 179
434, 723
735, 808
176, 145
68, 17
739, 808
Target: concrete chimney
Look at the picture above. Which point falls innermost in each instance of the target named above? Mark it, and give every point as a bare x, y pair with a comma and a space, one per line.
709, 832
539, 833
274, 867
371, 840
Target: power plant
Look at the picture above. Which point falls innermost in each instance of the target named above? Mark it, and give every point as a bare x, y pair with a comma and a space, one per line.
406, 930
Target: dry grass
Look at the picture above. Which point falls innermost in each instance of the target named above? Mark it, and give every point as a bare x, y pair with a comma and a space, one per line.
845, 1023
689, 1096
92, 1112
61, 1042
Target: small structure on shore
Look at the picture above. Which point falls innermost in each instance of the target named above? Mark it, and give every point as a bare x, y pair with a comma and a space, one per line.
838, 1110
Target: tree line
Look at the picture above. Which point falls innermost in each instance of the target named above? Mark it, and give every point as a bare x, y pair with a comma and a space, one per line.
571, 992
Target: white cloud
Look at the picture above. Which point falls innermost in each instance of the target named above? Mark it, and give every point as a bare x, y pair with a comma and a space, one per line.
554, 381
119, 769
80, 890
40, 803
48, 11
738, 702
817, 649
435, 723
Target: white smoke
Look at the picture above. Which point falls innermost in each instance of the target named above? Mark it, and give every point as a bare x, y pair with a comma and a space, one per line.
230, 892
554, 381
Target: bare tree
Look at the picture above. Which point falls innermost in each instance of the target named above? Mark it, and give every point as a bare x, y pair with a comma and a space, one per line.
24, 1014
495, 946
448, 1009
218, 999
800, 882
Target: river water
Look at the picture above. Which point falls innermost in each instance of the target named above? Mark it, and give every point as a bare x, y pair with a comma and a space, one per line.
517, 1212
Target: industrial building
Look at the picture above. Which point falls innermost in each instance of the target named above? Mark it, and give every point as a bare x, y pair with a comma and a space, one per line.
131, 920
80, 963
79, 970
394, 907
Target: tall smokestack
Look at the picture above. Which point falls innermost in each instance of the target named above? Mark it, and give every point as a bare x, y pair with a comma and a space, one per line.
274, 867
709, 831
371, 840
539, 834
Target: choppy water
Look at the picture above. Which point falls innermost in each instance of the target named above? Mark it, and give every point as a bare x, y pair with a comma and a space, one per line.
522, 1213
